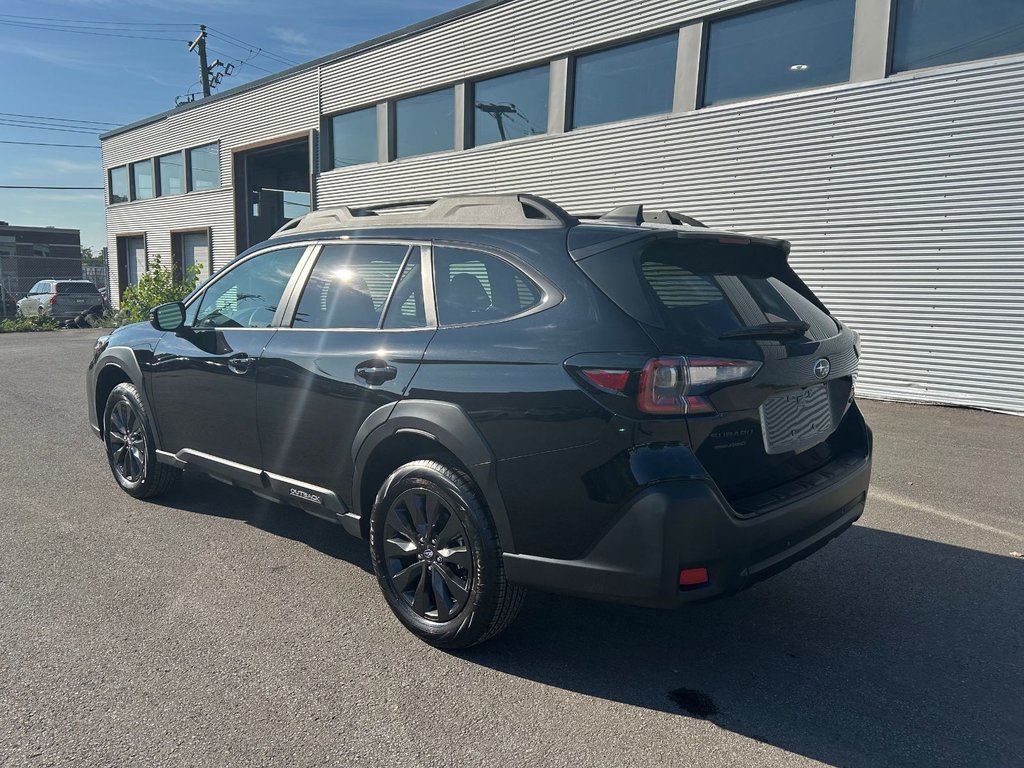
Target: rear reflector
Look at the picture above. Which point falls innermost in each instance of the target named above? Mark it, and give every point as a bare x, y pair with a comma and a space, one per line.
692, 577
608, 380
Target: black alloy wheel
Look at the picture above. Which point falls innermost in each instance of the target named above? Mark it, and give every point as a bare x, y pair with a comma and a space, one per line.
131, 448
428, 556
127, 442
437, 556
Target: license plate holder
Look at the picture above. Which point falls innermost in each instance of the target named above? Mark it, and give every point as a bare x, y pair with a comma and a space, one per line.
796, 420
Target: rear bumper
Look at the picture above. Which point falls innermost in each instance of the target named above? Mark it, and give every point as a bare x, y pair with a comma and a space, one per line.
688, 524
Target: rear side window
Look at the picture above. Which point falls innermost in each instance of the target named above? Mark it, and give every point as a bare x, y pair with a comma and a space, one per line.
693, 304
477, 287
350, 286
77, 288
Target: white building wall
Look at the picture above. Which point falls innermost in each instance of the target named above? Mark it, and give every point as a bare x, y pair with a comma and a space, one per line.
903, 197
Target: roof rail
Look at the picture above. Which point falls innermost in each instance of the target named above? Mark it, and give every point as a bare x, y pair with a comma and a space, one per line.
465, 210
634, 215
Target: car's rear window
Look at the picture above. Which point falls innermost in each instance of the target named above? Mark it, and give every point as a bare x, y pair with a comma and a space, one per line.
77, 288
707, 296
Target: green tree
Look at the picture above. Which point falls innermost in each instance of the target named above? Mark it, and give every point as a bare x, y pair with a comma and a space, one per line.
157, 285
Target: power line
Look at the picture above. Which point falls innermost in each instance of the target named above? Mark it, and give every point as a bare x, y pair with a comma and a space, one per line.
48, 144
240, 62
239, 42
44, 28
95, 22
29, 186
59, 119
32, 126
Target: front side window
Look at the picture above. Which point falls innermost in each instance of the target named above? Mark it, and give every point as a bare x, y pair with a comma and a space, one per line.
248, 295
475, 287
803, 44
511, 106
425, 123
172, 174
119, 185
354, 138
933, 32
204, 168
142, 180
627, 81
350, 285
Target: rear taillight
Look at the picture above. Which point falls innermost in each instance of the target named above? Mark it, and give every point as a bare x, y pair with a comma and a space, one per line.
53, 299
607, 379
681, 384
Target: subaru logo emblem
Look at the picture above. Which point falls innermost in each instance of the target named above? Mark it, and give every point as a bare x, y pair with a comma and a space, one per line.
822, 367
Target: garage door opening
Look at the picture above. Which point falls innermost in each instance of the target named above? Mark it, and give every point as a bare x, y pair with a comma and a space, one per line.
272, 186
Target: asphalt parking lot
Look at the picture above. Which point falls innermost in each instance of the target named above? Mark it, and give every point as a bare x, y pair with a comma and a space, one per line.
215, 628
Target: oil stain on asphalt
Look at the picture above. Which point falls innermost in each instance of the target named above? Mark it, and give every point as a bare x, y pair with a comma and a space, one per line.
694, 703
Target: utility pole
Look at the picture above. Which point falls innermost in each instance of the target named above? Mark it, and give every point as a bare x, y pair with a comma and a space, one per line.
204, 70
498, 112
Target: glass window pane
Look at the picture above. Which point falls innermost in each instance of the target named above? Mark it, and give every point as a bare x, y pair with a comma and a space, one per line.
205, 162
934, 32
628, 81
119, 185
781, 48
354, 137
474, 287
172, 174
511, 106
349, 286
142, 179
425, 123
247, 296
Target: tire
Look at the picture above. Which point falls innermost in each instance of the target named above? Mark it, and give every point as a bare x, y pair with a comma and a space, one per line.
131, 451
448, 588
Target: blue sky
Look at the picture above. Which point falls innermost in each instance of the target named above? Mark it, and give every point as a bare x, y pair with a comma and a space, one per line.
83, 75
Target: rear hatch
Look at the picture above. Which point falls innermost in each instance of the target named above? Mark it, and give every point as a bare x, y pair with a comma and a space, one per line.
723, 303
75, 296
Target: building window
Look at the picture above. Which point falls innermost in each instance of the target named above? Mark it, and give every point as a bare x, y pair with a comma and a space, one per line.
627, 81
354, 138
118, 185
511, 106
933, 32
142, 180
425, 123
172, 174
204, 168
803, 44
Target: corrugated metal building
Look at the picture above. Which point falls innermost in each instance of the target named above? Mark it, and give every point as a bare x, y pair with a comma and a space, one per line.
882, 137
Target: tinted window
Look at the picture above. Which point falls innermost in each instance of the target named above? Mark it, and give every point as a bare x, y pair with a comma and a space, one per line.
425, 123
623, 82
77, 288
405, 308
247, 295
788, 47
474, 287
119, 185
511, 106
142, 180
933, 32
172, 174
349, 286
354, 137
205, 167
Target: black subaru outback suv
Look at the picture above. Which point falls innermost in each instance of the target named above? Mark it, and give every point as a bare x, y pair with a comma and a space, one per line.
499, 395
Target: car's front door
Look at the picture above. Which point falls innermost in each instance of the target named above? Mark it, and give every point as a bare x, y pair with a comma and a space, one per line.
203, 377
359, 332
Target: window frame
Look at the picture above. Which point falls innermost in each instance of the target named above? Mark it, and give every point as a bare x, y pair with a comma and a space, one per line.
189, 182
550, 295
110, 184
158, 173
133, 193
329, 119
394, 122
471, 86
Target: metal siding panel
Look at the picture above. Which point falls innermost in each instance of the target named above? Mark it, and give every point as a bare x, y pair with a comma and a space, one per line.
904, 200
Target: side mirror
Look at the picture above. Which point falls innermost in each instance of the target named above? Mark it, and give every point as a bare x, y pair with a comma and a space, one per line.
168, 317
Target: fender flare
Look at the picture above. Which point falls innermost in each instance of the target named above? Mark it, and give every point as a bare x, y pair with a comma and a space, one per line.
122, 358
450, 426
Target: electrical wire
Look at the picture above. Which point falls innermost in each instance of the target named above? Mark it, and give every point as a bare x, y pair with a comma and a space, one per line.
242, 43
43, 28
96, 22
6, 115
29, 186
48, 144
32, 126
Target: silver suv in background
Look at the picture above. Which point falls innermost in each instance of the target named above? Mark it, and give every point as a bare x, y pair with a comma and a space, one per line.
61, 299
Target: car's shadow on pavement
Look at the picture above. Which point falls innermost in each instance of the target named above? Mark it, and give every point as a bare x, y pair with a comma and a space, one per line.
880, 649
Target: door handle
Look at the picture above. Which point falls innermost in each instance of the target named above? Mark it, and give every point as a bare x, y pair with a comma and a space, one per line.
376, 371
240, 363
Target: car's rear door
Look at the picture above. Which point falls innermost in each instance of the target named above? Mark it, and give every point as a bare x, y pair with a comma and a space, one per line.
360, 325
203, 377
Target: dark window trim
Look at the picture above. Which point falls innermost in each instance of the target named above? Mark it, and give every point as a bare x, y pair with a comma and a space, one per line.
110, 185
329, 132
471, 102
393, 122
189, 189
159, 174
133, 197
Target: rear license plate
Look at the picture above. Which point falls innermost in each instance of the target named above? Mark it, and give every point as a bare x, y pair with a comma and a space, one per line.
79, 301
796, 420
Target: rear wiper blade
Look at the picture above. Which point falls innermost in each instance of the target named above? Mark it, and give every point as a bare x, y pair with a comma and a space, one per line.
782, 330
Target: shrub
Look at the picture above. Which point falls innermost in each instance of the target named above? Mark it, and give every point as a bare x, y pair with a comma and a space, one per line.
156, 286
22, 324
